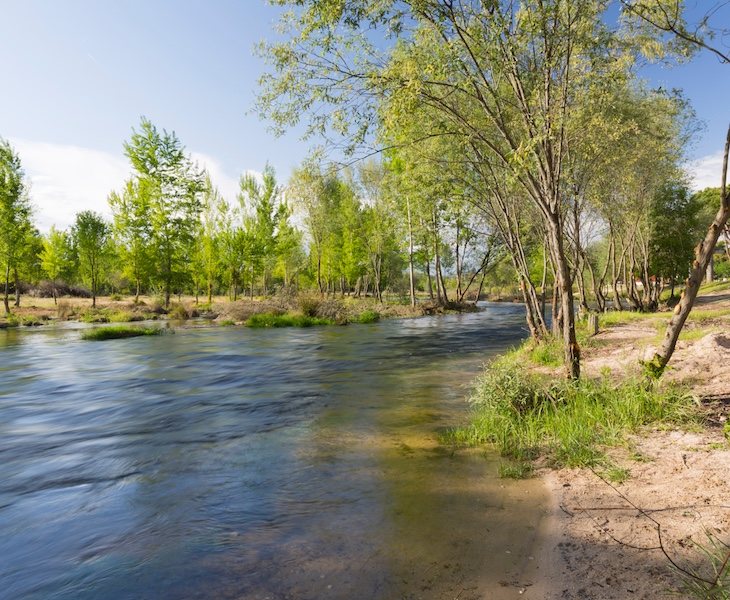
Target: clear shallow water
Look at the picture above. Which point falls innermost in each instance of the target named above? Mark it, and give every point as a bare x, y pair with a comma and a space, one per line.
237, 463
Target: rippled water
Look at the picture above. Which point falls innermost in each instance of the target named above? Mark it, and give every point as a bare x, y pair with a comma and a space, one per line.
238, 463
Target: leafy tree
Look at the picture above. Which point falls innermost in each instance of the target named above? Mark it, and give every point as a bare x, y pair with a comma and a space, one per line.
263, 201
15, 216
91, 236
173, 185
56, 257
132, 230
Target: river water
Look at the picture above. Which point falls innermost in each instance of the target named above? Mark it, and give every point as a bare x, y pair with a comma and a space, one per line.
239, 463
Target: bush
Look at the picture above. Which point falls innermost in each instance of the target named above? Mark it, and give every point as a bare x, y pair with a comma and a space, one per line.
178, 313
272, 320
309, 305
527, 415
368, 316
118, 331
65, 309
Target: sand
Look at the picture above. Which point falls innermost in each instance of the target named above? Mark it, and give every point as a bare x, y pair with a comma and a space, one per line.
607, 540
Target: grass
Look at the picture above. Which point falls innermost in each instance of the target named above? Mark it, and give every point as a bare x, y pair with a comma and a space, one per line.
525, 415
368, 316
520, 469
286, 320
118, 331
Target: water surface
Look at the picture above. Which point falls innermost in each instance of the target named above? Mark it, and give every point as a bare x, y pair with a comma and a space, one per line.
238, 463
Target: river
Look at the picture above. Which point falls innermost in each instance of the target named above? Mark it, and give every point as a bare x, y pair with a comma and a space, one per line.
241, 463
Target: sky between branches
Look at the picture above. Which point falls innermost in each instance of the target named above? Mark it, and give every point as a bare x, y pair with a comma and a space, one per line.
77, 75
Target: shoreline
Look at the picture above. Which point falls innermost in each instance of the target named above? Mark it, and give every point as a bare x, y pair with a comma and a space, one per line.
336, 311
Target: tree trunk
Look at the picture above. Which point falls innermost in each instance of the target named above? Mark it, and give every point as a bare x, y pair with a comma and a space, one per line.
7, 289
710, 273
430, 281
570, 344
17, 287
412, 283
703, 254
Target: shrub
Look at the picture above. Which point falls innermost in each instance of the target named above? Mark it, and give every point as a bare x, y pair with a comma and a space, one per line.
65, 310
178, 313
118, 331
368, 316
309, 305
125, 316
272, 320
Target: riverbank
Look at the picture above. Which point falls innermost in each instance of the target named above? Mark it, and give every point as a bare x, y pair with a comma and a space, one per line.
304, 310
616, 538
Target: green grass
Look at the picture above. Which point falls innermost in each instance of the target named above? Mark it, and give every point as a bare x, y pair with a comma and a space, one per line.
125, 316
368, 316
286, 320
700, 316
520, 469
525, 415
118, 331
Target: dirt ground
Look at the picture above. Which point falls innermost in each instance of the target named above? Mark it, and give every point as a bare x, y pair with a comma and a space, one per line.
634, 539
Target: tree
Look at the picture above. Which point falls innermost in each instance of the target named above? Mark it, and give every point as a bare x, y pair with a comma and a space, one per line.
15, 217
500, 77
56, 257
266, 207
667, 17
206, 260
173, 185
91, 237
132, 229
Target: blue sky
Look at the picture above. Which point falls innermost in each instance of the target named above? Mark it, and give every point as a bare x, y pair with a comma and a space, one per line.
77, 75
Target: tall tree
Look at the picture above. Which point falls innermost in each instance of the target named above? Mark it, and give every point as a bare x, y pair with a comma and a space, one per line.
132, 230
56, 257
174, 184
91, 236
15, 216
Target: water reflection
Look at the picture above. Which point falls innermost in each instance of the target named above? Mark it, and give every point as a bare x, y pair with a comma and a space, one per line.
237, 463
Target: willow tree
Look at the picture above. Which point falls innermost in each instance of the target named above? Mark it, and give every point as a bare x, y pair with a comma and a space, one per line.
500, 74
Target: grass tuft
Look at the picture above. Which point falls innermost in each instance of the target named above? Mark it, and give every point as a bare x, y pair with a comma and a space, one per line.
527, 415
286, 320
368, 316
118, 331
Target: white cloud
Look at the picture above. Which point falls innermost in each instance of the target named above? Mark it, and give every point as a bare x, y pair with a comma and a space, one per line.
66, 179
706, 171
227, 184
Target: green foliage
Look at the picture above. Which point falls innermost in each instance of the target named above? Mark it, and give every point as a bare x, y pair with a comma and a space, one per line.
178, 313
309, 304
526, 415
548, 352
15, 213
712, 581
520, 469
91, 238
166, 192
56, 257
286, 320
119, 331
368, 316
